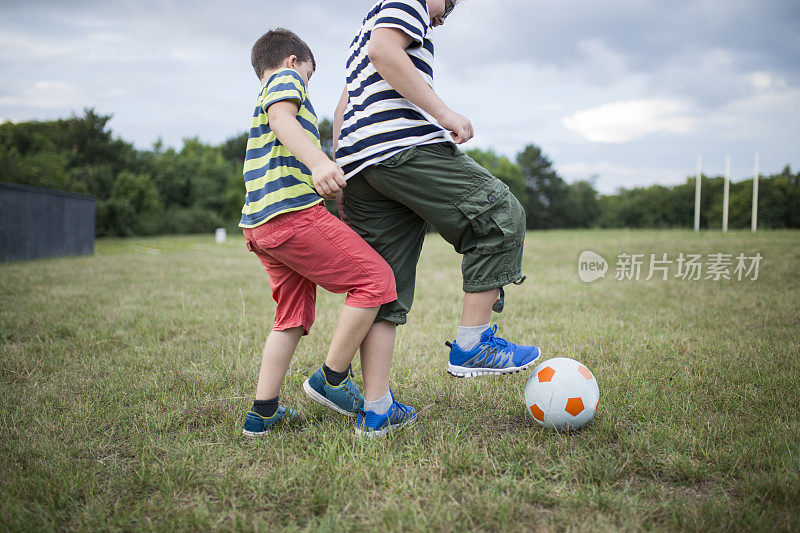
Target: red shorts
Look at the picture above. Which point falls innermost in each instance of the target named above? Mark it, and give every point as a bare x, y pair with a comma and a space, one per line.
303, 249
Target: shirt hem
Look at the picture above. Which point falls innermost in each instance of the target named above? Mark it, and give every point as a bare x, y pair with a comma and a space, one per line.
384, 157
273, 215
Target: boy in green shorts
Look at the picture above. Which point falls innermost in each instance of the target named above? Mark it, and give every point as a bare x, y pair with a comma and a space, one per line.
302, 245
395, 143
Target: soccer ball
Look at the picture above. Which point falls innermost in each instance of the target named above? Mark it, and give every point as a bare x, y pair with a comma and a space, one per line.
562, 394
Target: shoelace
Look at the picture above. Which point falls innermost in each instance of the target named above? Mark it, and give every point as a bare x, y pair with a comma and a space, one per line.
406, 410
503, 344
349, 389
350, 392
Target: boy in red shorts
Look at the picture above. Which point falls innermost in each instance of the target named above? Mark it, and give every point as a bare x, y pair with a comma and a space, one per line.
302, 245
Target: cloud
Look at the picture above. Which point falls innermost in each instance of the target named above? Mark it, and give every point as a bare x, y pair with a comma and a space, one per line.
761, 80
16, 44
771, 114
42, 94
625, 121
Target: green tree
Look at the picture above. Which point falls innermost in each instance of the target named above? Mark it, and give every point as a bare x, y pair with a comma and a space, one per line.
235, 148
580, 206
546, 189
134, 206
90, 141
326, 136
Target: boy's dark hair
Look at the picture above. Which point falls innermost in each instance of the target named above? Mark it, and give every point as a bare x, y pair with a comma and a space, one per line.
275, 46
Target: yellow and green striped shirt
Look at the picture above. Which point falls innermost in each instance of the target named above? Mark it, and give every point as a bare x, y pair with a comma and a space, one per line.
275, 181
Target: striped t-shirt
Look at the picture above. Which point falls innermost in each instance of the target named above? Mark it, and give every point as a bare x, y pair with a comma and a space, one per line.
378, 121
275, 181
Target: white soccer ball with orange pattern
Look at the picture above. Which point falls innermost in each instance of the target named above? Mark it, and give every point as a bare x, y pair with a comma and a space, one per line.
561, 393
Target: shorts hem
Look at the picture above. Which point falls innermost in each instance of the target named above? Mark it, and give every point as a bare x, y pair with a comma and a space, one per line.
490, 284
397, 319
293, 323
362, 303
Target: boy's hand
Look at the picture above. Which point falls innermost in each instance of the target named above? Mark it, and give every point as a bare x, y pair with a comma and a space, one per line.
328, 178
459, 126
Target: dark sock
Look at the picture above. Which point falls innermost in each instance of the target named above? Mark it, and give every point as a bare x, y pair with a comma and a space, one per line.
266, 408
332, 377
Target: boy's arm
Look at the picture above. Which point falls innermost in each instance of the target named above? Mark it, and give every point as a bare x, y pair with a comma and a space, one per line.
328, 177
387, 51
338, 118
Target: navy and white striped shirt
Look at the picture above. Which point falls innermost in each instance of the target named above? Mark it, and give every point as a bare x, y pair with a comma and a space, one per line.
378, 121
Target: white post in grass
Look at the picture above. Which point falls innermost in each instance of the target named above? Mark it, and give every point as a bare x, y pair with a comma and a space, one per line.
755, 195
697, 195
725, 193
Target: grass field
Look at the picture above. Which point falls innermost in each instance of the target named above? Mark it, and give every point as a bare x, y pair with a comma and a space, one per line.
124, 379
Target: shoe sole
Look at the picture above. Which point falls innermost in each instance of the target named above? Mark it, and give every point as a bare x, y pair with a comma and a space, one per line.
254, 433
322, 400
381, 432
467, 372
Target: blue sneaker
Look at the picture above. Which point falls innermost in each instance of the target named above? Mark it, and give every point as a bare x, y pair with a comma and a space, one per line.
371, 424
256, 425
345, 398
492, 355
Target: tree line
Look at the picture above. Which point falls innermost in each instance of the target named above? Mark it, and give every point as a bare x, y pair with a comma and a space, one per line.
199, 187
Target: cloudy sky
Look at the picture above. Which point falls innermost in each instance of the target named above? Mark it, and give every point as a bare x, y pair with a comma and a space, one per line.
625, 91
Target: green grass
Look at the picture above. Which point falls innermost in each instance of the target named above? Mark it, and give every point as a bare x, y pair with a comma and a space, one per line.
124, 379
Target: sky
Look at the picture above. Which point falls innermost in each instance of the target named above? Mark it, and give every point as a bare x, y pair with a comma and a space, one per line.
622, 92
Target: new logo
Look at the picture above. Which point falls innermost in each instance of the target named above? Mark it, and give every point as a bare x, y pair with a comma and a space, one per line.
591, 266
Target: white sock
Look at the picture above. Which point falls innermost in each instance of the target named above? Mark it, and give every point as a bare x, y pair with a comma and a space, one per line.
381, 405
468, 337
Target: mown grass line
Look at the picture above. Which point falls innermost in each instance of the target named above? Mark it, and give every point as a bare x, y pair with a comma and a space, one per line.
125, 377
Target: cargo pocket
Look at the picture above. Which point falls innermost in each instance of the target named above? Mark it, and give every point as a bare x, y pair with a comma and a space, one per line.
492, 210
274, 237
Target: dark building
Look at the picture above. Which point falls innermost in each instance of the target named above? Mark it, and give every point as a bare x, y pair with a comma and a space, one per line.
36, 222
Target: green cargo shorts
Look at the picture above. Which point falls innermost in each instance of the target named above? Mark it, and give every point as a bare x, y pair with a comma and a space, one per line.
390, 205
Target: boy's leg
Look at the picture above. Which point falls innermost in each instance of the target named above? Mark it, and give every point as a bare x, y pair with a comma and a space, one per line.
353, 325
337, 259
295, 297
381, 413
477, 307
473, 210
376, 358
476, 213
395, 231
278, 351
